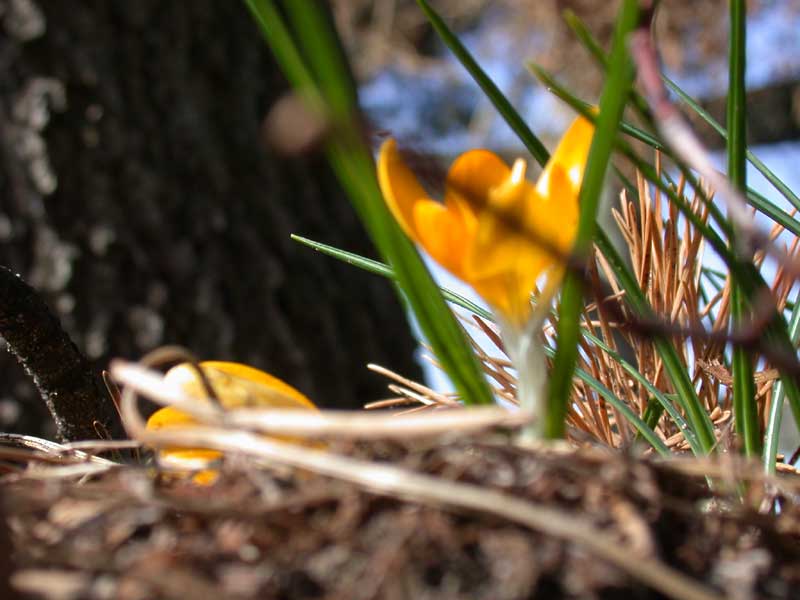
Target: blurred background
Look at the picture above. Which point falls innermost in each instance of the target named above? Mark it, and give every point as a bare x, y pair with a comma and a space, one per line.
139, 196
416, 89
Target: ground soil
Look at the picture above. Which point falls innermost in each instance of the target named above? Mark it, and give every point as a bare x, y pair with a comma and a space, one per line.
278, 533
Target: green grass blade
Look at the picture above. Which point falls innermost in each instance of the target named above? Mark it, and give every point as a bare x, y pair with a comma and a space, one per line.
641, 427
612, 105
435, 319
755, 199
586, 38
773, 211
501, 103
659, 396
280, 41
322, 51
647, 170
652, 413
352, 162
744, 392
776, 333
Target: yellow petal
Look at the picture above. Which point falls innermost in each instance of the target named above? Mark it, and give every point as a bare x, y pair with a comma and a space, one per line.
570, 156
525, 230
471, 177
236, 386
188, 458
444, 230
261, 388
401, 188
443, 235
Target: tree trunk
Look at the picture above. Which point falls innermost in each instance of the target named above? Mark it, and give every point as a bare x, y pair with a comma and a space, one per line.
137, 196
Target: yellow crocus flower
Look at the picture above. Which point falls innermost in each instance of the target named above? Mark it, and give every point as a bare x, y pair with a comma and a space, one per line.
495, 230
236, 386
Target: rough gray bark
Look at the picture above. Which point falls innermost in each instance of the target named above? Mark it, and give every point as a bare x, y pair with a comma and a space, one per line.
136, 195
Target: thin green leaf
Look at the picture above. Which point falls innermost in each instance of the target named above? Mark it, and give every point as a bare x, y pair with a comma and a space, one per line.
745, 411
612, 105
280, 41
641, 427
775, 334
379, 268
700, 423
323, 53
658, 395
652, 413
675, 371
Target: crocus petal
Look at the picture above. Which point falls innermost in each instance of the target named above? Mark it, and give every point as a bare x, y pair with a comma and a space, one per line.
278, 393
524, 229
570, 156
401, 188
168, 417
443, 234
236, 386
471, 177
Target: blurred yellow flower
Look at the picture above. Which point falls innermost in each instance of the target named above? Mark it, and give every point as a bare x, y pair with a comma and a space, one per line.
236, 386
495, 230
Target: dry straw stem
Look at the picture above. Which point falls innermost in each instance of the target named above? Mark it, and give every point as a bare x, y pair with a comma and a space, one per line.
355, 424
394, 481
412, 390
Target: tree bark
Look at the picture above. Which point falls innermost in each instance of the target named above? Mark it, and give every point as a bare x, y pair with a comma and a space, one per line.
136, 195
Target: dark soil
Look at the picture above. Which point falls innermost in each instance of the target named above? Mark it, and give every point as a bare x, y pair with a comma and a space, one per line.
270, 533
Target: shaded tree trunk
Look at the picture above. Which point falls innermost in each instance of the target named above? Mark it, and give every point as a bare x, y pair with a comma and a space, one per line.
136, 195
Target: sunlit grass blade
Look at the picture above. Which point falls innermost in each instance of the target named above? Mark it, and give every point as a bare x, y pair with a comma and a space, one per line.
501, 103
744, 393
641, 427
647, 433
322, 51
776, 331
612, 105
329, 80
647, 170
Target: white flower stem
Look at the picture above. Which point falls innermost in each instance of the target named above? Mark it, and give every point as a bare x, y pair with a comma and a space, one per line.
525, 351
